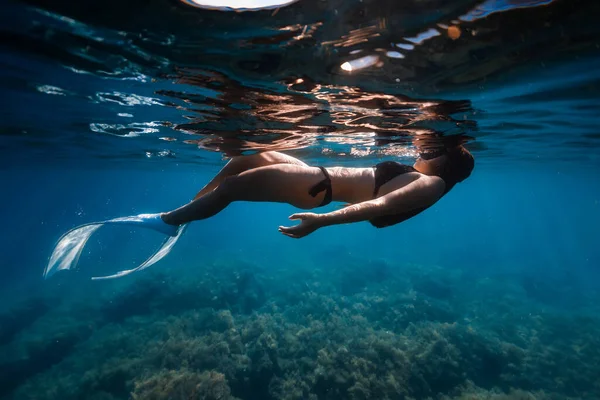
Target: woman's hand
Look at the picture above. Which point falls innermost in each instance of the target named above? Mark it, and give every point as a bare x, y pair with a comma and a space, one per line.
310, 222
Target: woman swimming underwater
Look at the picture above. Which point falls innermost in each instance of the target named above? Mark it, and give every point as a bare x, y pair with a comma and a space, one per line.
385, 194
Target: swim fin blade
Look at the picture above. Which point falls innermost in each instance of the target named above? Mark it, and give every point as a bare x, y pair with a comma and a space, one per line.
159, 254
67, 251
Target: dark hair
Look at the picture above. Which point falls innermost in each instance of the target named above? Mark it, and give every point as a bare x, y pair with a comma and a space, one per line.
458, 167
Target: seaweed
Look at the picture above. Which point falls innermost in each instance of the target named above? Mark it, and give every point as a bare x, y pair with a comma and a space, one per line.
183, 385
221, 332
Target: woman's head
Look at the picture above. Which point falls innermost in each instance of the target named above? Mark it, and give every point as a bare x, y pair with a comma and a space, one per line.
453, 165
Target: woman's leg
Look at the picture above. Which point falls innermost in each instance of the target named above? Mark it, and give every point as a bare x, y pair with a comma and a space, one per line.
281, 183
237, 165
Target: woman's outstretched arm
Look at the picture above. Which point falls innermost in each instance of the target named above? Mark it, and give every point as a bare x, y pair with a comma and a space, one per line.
422, 192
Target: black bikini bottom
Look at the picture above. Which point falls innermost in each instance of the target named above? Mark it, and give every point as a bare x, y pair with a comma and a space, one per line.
325, 184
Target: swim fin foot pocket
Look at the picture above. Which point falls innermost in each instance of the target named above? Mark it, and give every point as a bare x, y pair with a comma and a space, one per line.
69, 247
150, 221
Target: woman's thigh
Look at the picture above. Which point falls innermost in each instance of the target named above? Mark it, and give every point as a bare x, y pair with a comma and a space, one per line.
281, 183
275, 157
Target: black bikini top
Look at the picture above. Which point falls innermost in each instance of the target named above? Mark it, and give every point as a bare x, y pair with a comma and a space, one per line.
385, 172
388, 170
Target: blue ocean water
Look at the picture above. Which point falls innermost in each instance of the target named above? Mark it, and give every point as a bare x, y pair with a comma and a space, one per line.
112, 109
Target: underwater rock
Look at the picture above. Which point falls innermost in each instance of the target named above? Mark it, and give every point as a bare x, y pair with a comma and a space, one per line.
136, 300
243, 292
356, 278
434, 287
436, 369
183, 385
41, 356
387, 342
20, 317
156, 294
561, 290
290, 388
472, 392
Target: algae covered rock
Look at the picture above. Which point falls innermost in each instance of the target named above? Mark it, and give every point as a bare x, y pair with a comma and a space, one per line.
183, 385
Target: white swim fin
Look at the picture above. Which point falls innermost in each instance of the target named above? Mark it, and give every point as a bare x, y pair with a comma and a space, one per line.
150, 221
68, 249
163, 250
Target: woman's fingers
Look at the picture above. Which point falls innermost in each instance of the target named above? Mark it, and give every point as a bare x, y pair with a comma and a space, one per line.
291, 231
306, 226
298, 216
288, 232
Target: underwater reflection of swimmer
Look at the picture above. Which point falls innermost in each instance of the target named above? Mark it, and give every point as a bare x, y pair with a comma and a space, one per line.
384, 195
